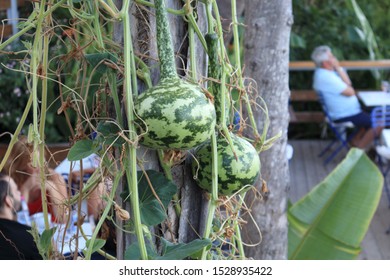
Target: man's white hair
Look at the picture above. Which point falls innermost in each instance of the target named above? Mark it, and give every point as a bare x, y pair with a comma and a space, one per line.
320, 54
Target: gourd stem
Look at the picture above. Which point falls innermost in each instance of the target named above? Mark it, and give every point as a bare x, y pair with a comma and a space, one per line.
131, 161
36, 60
237, 52
96, 25
42, 122
219, 30
210, 19
212, 205
194, 25
164, 42
238, 230
143, 72
191, 40
114, 93
110, 8
218, 90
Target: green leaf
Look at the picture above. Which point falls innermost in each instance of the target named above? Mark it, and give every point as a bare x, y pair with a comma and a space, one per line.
109, 134
180, 251
331, 221
27, 45
133, 252
153, 209
297, 41
81, 149
45, 239
97, 245
97, 60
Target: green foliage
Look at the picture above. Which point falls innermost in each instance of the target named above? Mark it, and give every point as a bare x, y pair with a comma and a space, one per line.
155, 193
45, 239
81, 149
109, 134
13, 90
331, 221
154, 199
97, 244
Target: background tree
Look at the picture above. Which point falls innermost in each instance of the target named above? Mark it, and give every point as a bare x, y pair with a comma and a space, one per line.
268, 24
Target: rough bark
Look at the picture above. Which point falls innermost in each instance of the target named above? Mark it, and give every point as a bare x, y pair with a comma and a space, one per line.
268, 25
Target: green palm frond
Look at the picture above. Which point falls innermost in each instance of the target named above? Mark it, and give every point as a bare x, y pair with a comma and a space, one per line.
332, 219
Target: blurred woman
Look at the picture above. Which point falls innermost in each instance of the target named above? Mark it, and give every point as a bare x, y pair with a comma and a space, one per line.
19, 167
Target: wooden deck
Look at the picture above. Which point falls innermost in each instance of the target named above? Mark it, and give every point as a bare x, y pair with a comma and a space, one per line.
307, 170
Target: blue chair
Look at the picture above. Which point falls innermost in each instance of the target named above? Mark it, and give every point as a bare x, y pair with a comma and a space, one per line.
340, 131
380, 117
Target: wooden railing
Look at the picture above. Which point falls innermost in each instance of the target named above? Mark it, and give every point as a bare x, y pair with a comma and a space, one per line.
348, 65
306, 96
5, 26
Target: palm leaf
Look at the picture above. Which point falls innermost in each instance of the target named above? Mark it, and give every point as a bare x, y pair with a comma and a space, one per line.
332, 219
367, 35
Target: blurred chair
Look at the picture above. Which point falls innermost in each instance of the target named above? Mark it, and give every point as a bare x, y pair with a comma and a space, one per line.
340, 131
380, 117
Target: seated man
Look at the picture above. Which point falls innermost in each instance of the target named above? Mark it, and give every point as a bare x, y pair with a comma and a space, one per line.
340, 97
16, 243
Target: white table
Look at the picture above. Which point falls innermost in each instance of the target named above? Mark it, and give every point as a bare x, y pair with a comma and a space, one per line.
385, 137
374, 98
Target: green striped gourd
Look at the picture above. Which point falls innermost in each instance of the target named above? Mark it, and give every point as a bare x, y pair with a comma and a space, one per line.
215, 73
233, 174
174, 114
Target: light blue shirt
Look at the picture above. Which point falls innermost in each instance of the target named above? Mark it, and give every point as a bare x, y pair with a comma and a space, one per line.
331, 86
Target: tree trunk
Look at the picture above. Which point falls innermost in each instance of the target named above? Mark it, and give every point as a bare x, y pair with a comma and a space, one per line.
268, 25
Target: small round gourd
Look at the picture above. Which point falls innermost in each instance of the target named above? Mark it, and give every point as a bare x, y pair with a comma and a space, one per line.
233, 174
174, 114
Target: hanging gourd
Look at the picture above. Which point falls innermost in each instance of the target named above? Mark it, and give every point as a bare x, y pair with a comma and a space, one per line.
234, 172
238, 161
174, 114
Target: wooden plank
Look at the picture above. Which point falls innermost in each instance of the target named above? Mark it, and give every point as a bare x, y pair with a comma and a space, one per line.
23, 2
4, 5
303, 95
307, 117
5, 30
293, 117
347, 64
298, 181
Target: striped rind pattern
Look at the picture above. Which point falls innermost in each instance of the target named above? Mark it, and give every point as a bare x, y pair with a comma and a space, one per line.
174, 115
232, 174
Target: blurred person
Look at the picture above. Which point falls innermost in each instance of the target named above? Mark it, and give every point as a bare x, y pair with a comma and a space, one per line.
16, 243
340, 97
19, 167
73, 171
